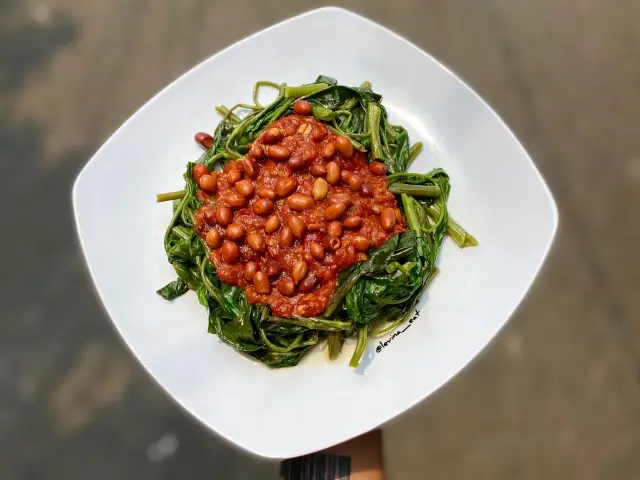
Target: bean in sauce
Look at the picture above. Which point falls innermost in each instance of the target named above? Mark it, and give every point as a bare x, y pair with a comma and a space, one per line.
208, 183
234, 176
290, 252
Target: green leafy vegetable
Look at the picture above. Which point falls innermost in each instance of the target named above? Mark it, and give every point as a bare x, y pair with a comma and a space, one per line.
335, 341
173, 289
373, 296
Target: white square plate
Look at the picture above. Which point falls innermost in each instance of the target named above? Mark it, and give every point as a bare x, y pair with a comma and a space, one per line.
497, 194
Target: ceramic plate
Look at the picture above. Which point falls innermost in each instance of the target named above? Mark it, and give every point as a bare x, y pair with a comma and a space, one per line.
497, 194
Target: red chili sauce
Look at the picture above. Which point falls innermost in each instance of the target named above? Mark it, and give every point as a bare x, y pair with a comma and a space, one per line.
277, 236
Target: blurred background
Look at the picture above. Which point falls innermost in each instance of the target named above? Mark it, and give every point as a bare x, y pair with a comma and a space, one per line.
556, 395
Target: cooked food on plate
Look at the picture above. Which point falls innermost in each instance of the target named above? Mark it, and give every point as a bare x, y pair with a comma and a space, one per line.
300, 223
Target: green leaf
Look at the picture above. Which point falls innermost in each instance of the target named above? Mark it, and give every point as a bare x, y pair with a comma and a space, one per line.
323, 113
332, 97
240, 312
326, 79
173, 289
179, 252
417, 217
377, 261
196, 247
269, 115
400, 152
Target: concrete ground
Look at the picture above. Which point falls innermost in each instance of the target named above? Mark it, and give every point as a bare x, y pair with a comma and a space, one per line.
556, 396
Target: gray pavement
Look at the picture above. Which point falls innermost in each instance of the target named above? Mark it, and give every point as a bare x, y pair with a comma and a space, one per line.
557, 394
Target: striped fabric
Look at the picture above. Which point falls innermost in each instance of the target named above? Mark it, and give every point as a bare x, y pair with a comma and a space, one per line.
318, 466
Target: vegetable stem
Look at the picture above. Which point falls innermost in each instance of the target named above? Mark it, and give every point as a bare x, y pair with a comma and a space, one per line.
211, 290
335, 342
165, 197
459, 235
414, 150
373, 126
176, 214
303, 90
415, 190
342, 291
237, 131
183, 232
392, 326
349, 104
314, 323
412, 219
360, 347
356, 145
225, 112
256, 89
275, 347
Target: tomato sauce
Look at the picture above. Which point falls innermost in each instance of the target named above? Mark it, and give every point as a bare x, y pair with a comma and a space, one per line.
324, 249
